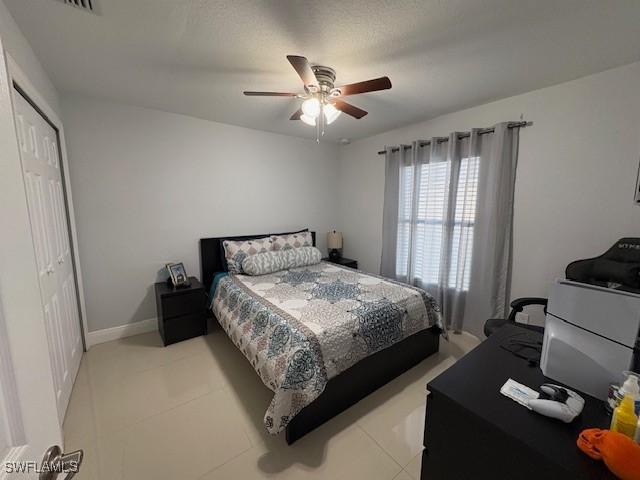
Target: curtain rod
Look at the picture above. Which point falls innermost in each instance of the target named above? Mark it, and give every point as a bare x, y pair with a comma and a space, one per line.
482, 131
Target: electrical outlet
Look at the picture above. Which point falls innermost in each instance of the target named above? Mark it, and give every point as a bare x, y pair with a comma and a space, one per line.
522, 317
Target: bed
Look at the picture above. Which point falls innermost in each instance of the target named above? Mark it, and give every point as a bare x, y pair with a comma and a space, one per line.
326, 337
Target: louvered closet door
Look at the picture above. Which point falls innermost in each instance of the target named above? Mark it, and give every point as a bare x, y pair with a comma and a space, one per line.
45, 197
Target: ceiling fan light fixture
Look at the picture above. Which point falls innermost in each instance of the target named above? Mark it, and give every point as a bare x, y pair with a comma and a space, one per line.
309, 120
311, 107
331, 113
322, 102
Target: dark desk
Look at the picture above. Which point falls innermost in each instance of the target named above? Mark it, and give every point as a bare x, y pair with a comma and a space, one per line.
474, 432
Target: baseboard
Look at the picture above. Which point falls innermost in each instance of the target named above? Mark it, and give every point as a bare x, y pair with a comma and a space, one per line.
122, 331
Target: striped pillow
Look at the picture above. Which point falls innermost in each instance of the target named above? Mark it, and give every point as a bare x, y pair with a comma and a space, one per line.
269, 262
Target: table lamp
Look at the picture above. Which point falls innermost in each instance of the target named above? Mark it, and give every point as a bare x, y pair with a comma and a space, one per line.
334, 244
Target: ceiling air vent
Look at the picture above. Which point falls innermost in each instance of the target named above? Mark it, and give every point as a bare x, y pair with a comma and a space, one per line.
88, 5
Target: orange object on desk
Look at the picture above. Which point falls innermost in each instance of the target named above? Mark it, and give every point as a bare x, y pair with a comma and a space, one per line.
619, 453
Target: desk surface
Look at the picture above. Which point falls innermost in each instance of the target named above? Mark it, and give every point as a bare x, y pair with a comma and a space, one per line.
474, 383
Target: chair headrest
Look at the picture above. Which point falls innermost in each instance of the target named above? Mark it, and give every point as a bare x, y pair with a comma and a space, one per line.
624, 250
619, 266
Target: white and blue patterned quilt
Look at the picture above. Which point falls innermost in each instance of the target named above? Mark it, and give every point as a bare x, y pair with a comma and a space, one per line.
303, 326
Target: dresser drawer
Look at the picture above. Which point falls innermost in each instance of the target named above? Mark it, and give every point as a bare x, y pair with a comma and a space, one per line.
177, 329
184, 304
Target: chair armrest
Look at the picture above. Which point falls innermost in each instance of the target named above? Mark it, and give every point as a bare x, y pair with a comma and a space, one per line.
519, 303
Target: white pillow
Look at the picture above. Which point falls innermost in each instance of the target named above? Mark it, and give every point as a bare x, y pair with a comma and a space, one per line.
269, 262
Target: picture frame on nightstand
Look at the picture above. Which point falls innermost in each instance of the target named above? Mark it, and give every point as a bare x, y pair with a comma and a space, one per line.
178, 275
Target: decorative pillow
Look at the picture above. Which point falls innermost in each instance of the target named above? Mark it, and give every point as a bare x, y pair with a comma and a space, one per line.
293, 240
269, 262
235, 251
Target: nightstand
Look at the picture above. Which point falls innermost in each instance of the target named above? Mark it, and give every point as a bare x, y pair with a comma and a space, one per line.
347, 262
181, 311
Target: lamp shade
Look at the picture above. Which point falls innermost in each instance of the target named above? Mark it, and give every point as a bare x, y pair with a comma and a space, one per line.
311, 107
331, 113
308, 120
334, 239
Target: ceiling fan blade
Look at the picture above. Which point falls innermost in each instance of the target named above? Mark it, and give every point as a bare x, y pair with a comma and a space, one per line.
303, 68
270, 94
296, 115
349, 109
382, 83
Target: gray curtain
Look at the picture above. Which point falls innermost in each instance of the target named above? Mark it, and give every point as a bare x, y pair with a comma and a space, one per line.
448, 220
393, 161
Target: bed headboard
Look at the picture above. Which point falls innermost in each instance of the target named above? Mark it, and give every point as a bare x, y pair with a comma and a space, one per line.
212, 255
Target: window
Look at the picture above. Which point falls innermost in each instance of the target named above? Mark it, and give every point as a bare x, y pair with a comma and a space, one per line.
423, 228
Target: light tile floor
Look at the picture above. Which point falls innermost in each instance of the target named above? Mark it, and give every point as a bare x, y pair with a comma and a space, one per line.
194, 410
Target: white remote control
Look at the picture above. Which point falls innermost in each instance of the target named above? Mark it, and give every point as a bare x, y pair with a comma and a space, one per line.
558, 402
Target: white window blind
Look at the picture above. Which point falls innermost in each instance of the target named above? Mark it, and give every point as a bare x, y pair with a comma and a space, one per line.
404, 220
423, 228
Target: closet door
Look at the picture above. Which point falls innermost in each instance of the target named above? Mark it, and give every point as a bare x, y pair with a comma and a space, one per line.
38, 142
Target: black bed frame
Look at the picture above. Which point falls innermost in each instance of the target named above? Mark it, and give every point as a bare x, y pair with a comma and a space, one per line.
353, 384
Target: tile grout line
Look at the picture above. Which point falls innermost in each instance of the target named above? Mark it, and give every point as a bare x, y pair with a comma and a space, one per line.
95, 436
157, 366
409, 473
130, 425
380, 447
227, 461
137, 422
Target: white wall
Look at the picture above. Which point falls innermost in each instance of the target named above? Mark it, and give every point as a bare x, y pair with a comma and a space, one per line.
17, 46
148, 185
576, 174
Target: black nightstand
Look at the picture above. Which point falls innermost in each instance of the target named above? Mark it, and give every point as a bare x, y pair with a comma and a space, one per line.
347, 262
181, 311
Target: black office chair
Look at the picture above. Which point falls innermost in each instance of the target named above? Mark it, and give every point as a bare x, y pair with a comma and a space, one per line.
620, 265
493, 324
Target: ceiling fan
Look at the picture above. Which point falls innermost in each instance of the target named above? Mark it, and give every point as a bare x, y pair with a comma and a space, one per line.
323, 102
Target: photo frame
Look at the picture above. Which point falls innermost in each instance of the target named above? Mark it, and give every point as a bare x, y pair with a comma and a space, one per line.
178, 275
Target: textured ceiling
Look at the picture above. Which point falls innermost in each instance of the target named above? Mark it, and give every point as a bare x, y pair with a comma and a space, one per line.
197, 56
